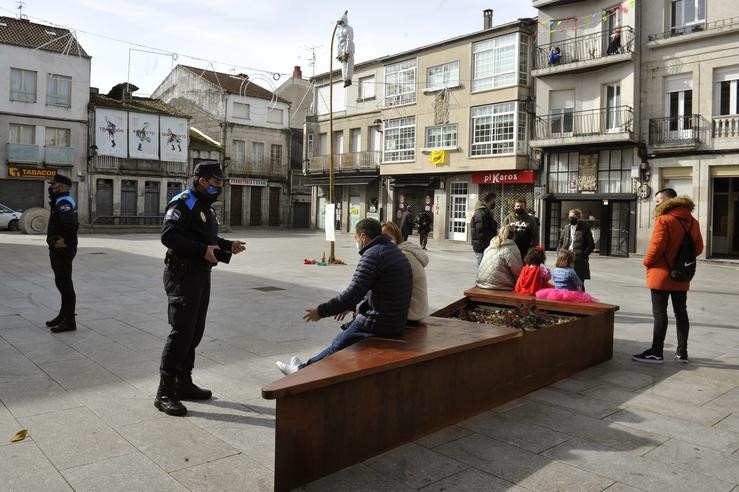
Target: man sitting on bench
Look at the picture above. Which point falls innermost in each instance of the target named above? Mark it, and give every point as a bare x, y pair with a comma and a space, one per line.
379, 294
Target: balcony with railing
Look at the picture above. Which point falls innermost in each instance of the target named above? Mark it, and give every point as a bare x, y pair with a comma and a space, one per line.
59, 156
263, 168
145, 167
346, 163
726, 127
602, 125
23, 153
693, 30
584, 52
675, 132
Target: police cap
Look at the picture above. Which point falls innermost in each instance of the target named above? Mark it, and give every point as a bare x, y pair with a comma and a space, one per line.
209, 169
60, 178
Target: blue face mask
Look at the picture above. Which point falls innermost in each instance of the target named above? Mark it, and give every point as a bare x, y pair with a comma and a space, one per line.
213, 191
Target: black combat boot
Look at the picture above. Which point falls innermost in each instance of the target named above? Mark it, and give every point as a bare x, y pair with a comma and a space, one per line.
55, 321
167, 400
187, 390
66, 324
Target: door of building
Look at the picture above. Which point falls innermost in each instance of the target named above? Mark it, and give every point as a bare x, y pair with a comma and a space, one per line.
237, 205
354, 205
301, 214
129, 198
255, 206
104, 197
617, 230
322, 213
725, 217
151, 198
458, 211
173, 188
274, 206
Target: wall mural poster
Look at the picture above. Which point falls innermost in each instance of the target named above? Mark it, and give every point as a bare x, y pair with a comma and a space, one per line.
173, 138
143, 130
111, 130
587, 176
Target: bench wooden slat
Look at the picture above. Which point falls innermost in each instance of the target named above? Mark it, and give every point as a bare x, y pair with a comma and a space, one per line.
509, 298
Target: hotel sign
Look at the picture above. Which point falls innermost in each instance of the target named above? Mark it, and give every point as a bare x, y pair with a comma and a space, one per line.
21, 172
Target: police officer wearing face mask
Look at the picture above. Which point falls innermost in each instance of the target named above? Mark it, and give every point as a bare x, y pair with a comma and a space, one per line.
190, 232
61, 236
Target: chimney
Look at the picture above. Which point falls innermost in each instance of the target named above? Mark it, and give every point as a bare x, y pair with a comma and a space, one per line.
297, 73
487, 16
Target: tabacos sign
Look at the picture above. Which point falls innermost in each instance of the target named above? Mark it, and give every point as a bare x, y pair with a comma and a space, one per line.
505, 177
30, 172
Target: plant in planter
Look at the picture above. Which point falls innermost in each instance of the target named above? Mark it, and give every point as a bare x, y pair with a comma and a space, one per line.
523, 317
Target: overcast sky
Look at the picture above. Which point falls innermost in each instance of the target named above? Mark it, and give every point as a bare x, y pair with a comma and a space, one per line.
239, 36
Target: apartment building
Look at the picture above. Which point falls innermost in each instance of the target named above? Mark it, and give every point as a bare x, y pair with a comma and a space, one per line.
44, 91
252, 123
431, 128
690, 114
586, 132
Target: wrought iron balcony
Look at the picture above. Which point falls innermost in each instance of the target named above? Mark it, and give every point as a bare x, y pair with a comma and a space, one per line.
23, 153
352, 161
117, 165
726, 126
605, 122
720, 25
596, 46
258, 168
675, 131
59, 155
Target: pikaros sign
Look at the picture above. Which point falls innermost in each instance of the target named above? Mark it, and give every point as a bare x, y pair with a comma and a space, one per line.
505, 177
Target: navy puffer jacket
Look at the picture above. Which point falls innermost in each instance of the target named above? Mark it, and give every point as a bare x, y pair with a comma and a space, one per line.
380, 290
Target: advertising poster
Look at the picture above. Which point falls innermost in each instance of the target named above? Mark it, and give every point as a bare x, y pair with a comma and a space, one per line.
143, 129
111, 130
330, 214
173, 139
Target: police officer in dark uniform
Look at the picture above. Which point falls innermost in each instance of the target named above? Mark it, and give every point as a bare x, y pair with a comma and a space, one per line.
190, 232
61, 236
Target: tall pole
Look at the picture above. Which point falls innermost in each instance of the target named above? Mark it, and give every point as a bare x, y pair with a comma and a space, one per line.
331, 258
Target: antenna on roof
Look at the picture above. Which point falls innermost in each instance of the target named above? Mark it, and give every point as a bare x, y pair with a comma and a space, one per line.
21, 15
313, 58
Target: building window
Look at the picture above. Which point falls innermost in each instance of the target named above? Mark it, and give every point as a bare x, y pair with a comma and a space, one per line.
442, 136
367, 87
257, 152
275, 156
562, 172
22, 85
561, 112
22, 134
400, 83
686, 13
726, 91
523, 60
59, 91
309, 145
58, 137
494, 62
614, 171
239, 151
442, 76
241, 110
274, 116
400, 140
493, 129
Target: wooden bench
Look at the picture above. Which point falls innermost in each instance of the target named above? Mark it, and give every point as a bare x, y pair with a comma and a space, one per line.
383, 392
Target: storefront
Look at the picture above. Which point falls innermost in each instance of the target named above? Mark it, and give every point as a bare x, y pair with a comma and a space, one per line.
25, 188
508, 187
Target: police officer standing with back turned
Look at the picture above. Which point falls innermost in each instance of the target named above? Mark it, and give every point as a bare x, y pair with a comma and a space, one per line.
190, 232
61, 236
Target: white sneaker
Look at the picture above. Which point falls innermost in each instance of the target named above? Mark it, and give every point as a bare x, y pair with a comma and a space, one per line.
290, 368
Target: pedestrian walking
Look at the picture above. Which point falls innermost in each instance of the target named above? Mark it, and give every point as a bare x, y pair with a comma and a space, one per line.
483, 226
406, 222
61, 236
190, 233
577, 237
425, 224
673, 220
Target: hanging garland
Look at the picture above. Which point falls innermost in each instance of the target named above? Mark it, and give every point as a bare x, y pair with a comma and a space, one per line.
593, 19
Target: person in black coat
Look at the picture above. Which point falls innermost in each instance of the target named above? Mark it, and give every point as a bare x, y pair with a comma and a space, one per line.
406, 223
576, 237
61, 236
190, 233
483, 226
379, 294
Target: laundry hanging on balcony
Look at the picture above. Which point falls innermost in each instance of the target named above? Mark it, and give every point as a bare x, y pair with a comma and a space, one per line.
437, 157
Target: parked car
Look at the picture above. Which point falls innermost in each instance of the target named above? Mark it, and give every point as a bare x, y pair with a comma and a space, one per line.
9, 218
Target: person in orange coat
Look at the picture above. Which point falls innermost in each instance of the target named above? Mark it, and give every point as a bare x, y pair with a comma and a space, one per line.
673, 219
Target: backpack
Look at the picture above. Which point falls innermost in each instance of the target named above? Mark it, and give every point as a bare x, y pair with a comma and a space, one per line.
683, 269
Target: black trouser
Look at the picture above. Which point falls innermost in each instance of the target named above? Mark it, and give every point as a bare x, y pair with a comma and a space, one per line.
659, 311
188, 293
423, 237
61, 263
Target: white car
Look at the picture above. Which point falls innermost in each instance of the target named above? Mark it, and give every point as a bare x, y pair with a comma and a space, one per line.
9, 218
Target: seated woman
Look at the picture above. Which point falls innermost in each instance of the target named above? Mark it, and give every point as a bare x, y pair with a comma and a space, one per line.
501, 263
418, 260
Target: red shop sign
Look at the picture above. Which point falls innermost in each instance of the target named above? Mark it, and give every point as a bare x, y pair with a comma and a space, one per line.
505, 177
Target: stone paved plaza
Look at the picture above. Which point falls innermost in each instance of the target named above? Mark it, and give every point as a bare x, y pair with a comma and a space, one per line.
86, 397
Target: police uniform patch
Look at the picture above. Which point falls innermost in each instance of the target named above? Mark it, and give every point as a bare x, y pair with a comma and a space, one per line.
65, 207
202, 216
172, 214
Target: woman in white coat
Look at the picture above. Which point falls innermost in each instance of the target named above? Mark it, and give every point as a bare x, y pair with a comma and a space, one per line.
501, 263
418, 260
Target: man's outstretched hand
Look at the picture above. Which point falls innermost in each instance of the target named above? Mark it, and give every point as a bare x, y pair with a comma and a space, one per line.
311, 315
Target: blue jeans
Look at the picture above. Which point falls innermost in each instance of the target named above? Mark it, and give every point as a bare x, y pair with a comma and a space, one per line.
353, 333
